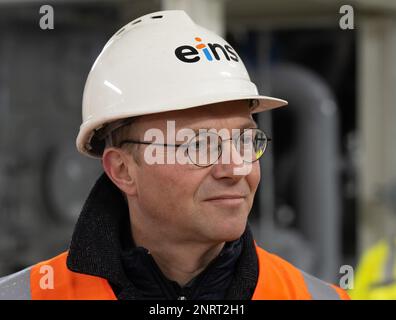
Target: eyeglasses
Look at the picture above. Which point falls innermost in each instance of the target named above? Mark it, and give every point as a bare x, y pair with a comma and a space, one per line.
205, 148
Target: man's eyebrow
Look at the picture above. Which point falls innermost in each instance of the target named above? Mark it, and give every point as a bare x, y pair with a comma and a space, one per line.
245, 125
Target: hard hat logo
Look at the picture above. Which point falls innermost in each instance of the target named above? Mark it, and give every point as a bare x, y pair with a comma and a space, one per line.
190, 54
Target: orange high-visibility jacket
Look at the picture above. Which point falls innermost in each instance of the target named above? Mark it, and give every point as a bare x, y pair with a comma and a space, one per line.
52, 280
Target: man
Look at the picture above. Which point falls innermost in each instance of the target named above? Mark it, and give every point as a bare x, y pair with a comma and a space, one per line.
168, 108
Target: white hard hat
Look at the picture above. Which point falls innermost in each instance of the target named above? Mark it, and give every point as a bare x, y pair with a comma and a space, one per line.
160, 62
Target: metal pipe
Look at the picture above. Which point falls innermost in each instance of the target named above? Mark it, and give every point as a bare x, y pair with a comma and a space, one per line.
317, 181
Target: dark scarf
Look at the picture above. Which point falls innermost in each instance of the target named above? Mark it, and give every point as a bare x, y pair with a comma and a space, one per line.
102, 245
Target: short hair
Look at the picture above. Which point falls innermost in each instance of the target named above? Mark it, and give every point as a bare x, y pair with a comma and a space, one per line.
112, 135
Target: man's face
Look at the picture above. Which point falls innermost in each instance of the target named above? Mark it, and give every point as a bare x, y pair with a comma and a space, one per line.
191, 203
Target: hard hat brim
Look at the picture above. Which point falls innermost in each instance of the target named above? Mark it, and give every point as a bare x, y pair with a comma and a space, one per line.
266, 103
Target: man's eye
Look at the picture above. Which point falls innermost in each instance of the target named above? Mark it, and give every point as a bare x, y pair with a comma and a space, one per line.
195, 145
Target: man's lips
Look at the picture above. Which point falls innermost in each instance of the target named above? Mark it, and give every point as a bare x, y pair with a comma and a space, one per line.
226, 196
227, 200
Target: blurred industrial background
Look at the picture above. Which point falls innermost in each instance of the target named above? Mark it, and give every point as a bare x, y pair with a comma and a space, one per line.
328, 181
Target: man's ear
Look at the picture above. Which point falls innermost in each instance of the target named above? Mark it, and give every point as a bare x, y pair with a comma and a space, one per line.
120, 168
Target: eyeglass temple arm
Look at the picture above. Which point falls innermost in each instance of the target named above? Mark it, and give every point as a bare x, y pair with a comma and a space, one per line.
150, 143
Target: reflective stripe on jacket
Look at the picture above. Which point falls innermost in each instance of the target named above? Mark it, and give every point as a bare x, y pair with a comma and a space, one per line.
277, 280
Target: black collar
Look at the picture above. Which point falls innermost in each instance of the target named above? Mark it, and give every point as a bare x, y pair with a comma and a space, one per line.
210, 284
102, 229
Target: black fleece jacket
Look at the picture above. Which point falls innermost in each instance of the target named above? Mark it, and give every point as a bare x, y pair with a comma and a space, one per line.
102, 245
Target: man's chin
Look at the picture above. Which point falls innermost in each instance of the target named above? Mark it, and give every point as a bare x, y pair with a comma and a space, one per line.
229, 232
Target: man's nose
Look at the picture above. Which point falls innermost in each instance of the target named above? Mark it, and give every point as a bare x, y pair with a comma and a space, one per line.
230, 164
